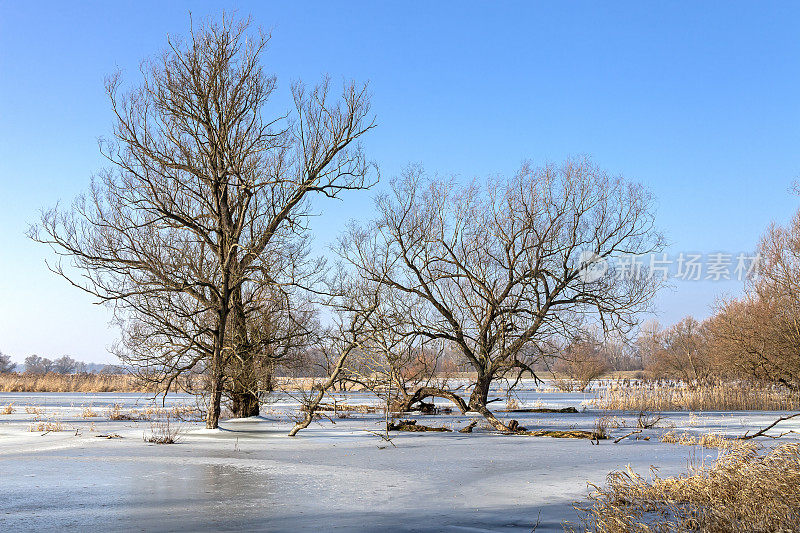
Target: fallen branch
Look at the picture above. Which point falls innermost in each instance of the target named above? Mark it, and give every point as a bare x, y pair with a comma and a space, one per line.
559, 434
469, 427
634, 432
764, 431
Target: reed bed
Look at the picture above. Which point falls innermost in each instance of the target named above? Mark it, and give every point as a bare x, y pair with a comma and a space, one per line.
732, 396
84, 382
744, 490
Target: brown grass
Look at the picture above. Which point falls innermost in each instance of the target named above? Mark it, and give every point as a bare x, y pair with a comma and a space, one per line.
710, 440
15, 382
8, 409
742, 491
344, 407
46, 426
734, 396
88, 413
115, 412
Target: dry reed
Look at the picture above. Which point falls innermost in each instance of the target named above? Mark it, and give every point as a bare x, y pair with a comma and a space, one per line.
734, 396
46, 426
742, 491
51, 382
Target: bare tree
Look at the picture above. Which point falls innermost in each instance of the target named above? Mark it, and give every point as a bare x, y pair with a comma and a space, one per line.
494, 269
38, 365
205, 197
65, 365
683, 352
581, 362
647, 343
5, 364
354, 304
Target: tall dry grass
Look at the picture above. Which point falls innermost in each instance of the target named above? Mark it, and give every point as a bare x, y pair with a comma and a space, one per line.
730, 396
743, 491
15, 382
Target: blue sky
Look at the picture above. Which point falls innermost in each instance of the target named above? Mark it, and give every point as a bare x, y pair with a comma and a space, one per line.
696, 100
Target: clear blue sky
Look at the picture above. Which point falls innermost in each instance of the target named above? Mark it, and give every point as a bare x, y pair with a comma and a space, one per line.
699, 101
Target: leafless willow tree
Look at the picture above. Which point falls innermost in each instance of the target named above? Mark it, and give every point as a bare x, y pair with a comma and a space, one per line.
195, 230
494, 269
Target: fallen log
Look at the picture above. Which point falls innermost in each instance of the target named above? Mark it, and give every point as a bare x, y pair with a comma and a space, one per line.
411, 425
540, 410
560, 434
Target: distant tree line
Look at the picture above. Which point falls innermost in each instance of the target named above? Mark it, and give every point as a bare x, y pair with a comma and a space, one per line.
755, 336
34, 364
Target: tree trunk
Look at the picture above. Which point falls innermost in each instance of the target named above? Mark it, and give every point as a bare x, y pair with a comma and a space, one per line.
422, 393
244, 402
480, 398
212, 415
215, 402
480, 393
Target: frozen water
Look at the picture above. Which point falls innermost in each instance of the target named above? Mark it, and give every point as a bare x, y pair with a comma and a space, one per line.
334, 476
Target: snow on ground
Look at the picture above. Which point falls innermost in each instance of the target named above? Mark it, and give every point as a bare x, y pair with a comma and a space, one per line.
332, 477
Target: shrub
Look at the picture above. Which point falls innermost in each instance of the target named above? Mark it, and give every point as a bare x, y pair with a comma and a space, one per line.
163, 432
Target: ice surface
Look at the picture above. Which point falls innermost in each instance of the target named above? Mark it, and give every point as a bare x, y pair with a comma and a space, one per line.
332, 477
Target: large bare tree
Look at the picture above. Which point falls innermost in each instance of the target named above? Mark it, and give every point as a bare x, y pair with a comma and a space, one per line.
199, 219
496, 270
